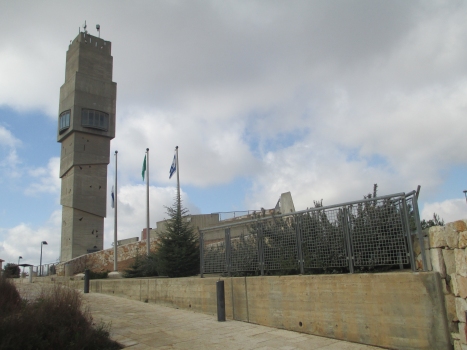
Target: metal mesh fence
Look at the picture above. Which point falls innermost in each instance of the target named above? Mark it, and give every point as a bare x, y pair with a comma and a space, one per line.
244, 253
279, 244
323, 239
378, 233
361, 234
214, 258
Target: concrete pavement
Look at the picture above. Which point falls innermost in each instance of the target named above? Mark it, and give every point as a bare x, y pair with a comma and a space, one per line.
142, 326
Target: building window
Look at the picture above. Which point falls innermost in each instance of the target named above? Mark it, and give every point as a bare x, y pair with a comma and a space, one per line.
91, 118
64, 120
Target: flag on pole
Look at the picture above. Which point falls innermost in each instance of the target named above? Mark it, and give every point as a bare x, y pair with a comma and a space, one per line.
144, 167
173, 167
113, 198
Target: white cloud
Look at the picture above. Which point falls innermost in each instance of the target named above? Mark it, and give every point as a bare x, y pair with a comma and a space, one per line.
9, 160
25, 84
7, 139
209, 153
315, 171
449, 210
25, 240
48, 180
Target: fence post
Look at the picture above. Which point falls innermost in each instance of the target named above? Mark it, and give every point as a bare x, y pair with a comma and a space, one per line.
346, 226
220, 301
298, 233
421, 240
228, 251
408, 234
30, 274
201, 253
86, 281
260, 247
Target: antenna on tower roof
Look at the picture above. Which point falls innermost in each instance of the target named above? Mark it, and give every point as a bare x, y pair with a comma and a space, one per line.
84, 27
98, 27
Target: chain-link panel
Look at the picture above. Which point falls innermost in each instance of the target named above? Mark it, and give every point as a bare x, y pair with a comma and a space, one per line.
377, 233
323, 239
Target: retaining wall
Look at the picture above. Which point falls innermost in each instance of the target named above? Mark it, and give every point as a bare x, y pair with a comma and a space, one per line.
402, 310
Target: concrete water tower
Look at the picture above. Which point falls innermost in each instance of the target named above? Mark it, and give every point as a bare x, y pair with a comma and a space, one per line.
86, 124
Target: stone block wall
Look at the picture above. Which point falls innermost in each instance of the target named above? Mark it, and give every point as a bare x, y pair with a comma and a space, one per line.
446, 248
103, 260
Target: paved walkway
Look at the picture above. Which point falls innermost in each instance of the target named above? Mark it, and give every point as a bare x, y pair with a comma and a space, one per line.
141, 326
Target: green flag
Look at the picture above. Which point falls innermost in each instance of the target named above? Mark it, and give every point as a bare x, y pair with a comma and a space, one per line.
144, 167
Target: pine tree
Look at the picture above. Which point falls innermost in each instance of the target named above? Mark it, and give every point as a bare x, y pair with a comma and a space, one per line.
178, 249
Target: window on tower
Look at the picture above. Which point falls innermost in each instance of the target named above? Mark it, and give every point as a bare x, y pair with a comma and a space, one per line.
91, 118
64, 120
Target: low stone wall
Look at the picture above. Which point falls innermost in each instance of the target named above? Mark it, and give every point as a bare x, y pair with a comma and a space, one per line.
103, 260
447, 250
400, 310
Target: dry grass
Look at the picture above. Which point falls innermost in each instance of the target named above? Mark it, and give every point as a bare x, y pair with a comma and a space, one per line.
54, 320
10, 299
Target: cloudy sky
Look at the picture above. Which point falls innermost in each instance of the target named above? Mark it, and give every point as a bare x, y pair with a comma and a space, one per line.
319, 98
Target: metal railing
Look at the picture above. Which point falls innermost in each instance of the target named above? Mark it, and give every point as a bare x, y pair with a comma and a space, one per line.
228, 215
47, 269
362, 235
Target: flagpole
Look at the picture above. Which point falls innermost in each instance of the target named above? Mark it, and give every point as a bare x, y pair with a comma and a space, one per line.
115, 216
147, 203
178, 181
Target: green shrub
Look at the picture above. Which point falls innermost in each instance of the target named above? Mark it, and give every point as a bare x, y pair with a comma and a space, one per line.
135, 269
436, 221
143, 266
11, 270
98, 275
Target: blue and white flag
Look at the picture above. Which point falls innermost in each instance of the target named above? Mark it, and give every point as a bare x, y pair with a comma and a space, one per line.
113, 198
173, 167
